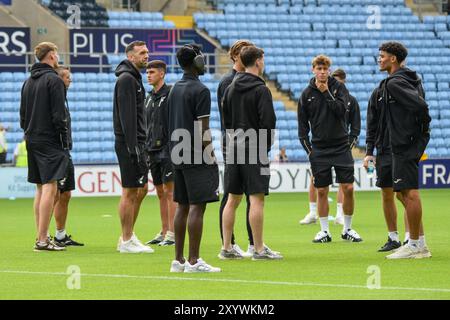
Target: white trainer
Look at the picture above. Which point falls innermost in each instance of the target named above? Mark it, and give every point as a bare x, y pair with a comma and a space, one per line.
145, 249
177, 266
339, 220
251, 250
129, 247
424, 253
118, 243
243, 253
309, 219
406, 252
200, 266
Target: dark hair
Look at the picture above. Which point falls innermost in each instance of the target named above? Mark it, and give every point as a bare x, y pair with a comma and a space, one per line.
249, 55
186, 54
340, 73
157, 64
131, 45
395, 48
236, 48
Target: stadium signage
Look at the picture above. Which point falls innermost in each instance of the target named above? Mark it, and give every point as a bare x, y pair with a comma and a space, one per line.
435, 174
290, 177
285, 177
88, 45
14, 44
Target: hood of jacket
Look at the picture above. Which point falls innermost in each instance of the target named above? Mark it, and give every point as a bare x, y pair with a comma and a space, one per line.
331, 82
39, 69
408, 75
244, 81
126, 66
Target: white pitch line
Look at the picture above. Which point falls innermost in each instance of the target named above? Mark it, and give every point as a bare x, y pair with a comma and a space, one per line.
282, 283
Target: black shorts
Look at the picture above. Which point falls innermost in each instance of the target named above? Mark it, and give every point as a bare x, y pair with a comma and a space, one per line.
344, 167
196, 184
405, 165
162, 171
68, 182
130, 174
247, 178
383, 167
47, 162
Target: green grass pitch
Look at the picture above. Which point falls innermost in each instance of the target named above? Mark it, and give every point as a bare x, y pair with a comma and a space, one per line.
337, 270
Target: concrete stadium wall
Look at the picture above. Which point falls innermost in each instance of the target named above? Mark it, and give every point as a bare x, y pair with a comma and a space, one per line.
44, 26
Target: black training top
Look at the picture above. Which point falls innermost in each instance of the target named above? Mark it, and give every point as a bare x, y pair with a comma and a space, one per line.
129, 115
324, 114
189, 101
157, 121
407, 112
377, 133
43, 114
224, 83
248, 105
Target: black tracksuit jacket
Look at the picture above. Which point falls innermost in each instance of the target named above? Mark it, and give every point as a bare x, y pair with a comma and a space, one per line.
407, 113
43, 114
157, 112
247, 104
325, 115
129, 111
377, 133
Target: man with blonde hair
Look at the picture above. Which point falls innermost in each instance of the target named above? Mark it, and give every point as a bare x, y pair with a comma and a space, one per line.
322, 109
43, 117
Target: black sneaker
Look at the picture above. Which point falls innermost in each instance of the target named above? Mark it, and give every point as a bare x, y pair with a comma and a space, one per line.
67, 241
48, 246
390, 245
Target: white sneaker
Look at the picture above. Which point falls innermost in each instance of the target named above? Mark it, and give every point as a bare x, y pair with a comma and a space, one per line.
406, 252
424, 253
145, 249
118, 243
176, 266
129, 247
251, 250
200, 266
309, 219
339, 220
243, 253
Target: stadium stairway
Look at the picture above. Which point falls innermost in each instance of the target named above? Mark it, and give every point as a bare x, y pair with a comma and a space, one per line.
292, 32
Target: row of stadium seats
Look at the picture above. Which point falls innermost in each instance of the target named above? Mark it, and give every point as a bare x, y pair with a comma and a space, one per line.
222, 3
347, 10
94, 15
292, 34
91, 112
136, 20
440, 25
